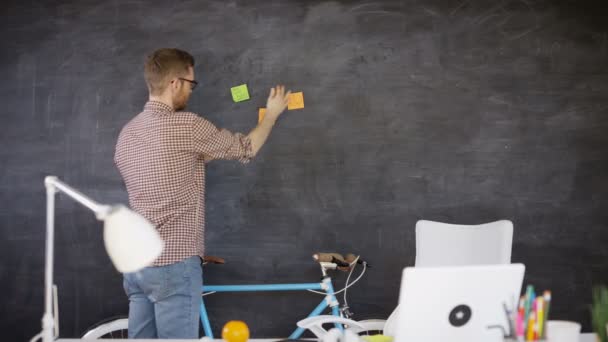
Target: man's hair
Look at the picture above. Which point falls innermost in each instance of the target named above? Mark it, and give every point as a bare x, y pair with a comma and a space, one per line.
164, 64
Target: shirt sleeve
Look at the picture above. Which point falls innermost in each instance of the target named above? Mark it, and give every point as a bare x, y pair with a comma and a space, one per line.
213, 143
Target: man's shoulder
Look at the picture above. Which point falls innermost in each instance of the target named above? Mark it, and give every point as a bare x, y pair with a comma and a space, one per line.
145, 118
188, 115
132, 123
145, 121
193, 118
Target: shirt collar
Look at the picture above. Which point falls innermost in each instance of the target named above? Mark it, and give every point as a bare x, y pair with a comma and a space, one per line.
158, 107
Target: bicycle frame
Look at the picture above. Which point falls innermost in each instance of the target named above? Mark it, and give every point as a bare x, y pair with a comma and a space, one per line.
325, 285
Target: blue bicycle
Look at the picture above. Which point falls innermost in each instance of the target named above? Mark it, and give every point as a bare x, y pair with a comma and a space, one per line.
117, 327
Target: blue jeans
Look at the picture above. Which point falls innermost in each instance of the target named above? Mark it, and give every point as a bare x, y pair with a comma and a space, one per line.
164, 301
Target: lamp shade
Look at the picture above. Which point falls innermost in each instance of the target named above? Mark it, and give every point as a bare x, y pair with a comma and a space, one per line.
131, 241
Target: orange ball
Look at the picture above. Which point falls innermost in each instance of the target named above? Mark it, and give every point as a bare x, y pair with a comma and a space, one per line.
235, 331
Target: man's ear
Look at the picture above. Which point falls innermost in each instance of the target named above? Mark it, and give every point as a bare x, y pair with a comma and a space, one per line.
173, 85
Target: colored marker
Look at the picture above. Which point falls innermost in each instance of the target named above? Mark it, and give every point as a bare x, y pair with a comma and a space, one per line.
531, 325
540, 315
528, 303
547, 300
519, 323
532, 300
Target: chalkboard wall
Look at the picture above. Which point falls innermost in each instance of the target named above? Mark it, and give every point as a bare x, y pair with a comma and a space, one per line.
456, 111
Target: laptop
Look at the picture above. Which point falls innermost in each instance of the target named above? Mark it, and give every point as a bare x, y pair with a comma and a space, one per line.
457, 303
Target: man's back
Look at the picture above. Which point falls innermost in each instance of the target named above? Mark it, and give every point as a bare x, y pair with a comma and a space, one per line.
164, 177
161, 155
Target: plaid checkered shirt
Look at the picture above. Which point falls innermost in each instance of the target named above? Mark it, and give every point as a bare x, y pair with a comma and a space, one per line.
161, 155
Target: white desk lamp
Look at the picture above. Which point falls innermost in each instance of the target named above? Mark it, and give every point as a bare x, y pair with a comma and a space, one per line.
131, 241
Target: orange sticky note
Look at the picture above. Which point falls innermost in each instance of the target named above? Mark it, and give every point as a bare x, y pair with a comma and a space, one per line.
296, 101
261, 114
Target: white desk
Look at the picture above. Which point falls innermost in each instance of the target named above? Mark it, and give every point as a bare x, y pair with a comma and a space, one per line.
587, 337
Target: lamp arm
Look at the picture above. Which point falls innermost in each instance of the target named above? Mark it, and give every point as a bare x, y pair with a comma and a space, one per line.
56, 185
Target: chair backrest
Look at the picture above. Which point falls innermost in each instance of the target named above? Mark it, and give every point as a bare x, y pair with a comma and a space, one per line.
442, 244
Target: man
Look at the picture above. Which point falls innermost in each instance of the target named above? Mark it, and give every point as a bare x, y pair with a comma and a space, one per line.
161, 155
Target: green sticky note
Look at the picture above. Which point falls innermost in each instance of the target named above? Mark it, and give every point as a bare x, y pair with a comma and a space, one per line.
240, 93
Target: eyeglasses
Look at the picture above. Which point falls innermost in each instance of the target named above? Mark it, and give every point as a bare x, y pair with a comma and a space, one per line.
193, 83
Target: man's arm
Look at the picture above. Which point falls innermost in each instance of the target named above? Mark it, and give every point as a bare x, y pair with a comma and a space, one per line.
214, 143
276, 104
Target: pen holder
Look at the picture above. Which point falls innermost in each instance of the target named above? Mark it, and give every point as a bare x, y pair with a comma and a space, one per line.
563, 331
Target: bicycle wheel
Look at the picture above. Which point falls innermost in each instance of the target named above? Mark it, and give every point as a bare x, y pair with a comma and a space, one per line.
109, 328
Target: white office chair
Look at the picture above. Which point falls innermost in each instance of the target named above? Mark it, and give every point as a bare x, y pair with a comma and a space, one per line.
442, 244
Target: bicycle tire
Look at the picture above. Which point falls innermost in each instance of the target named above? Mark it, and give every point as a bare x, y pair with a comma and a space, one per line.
110, 328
